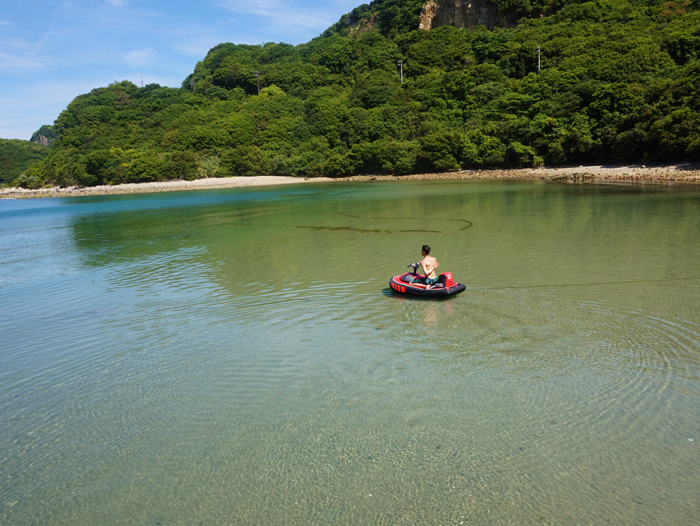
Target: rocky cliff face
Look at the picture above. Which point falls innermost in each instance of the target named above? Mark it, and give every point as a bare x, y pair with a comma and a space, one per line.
464, 14
41, 139
44, 135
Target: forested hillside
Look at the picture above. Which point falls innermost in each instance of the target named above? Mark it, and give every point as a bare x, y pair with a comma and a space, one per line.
619, 81
16, 156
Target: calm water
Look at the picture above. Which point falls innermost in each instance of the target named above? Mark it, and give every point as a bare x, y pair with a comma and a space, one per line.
236, 357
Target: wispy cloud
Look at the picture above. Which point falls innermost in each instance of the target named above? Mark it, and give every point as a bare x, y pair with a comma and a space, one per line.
194, 43
18, 54
15, 63
117, 3
51, 92
140, 57
278, 13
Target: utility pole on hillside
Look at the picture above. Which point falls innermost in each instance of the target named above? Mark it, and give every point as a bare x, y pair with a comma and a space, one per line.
257, 77
538, 60
400, 63
192, 83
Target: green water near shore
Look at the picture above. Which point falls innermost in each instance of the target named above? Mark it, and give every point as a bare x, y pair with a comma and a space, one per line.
236, 356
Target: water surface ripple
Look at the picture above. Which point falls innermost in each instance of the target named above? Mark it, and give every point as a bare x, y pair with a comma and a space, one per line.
236, 357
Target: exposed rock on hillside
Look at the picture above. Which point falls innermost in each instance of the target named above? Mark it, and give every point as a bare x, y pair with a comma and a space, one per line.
44, 136
464, 14
41, 139
362, 26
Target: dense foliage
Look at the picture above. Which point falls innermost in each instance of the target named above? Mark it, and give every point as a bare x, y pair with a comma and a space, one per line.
16, 156
620, 81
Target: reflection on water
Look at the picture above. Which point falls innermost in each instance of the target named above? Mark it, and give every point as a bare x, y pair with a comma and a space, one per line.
236, 357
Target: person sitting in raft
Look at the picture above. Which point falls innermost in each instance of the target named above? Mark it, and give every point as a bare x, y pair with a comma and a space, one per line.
428, 264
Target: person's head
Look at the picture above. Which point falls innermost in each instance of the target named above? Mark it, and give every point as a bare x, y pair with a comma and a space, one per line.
425, 250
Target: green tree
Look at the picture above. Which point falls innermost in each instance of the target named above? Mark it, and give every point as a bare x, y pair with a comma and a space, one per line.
244, 160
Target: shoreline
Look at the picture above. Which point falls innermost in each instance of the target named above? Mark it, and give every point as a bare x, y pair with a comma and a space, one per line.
656, 174
688, 173
211, 183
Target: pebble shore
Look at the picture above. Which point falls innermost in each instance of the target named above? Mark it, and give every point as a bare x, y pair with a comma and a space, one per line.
670, 174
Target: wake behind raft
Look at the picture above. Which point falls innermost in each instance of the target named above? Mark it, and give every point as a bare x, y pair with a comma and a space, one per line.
445, 285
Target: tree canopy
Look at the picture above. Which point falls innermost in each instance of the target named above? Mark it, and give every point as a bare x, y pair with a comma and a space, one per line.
16, 156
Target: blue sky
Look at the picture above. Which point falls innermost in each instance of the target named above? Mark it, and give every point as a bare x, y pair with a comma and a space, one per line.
52, 51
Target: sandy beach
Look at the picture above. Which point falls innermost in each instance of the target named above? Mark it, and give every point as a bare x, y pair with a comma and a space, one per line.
666, 174
164, 186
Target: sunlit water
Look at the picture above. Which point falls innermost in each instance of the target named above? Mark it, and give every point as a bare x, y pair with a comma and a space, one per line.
236, 357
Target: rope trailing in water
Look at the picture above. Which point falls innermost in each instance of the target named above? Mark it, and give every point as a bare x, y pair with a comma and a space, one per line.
469, 223
631, 282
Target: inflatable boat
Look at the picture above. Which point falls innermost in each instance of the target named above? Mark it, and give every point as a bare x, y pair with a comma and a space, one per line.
445, 285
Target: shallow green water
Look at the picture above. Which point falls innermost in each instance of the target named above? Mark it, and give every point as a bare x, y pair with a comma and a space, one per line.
236, 357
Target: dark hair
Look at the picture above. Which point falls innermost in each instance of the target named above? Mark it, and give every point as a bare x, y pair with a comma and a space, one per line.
426, 249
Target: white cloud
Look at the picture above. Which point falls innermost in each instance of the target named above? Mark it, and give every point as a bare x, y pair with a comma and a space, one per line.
117, 3
12, 62
279, 13
19, 54
59, 92
140, 57
196, 46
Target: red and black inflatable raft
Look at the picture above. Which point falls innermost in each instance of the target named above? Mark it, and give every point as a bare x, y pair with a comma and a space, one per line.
445, 286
